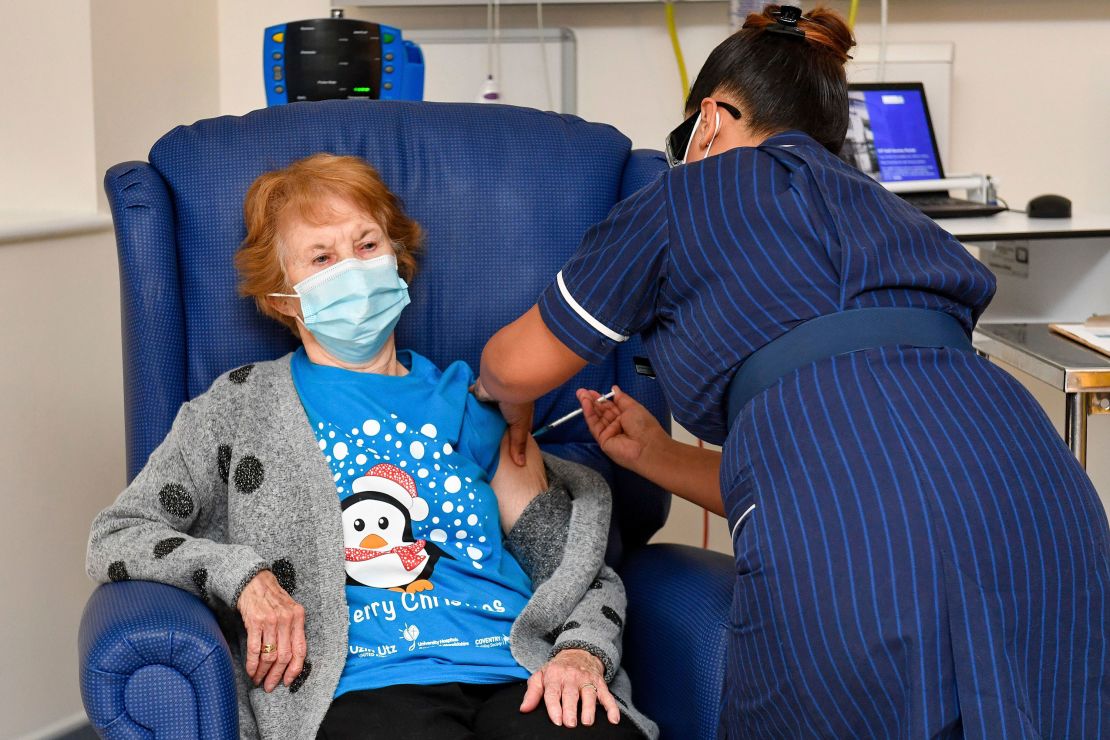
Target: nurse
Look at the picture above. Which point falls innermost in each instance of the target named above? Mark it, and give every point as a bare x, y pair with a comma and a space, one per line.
917, 553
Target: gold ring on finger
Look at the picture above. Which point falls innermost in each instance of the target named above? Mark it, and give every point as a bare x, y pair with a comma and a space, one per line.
585, 686
269, 647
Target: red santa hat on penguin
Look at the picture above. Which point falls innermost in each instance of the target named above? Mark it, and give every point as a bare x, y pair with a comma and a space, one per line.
395, 483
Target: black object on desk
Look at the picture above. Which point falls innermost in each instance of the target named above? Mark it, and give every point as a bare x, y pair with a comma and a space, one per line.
1049, 206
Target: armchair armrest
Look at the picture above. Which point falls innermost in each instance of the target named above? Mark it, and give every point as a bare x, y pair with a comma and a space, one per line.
153, 660
677, 633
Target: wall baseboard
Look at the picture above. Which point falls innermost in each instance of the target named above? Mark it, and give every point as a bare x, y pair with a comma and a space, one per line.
71, 728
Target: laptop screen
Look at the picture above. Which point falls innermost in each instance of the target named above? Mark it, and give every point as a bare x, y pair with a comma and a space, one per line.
890, 136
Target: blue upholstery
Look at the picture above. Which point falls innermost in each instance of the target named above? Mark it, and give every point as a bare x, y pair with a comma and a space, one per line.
153, 658
674, 644
504, 194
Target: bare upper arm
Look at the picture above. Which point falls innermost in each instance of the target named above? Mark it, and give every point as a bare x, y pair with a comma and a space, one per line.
515, 486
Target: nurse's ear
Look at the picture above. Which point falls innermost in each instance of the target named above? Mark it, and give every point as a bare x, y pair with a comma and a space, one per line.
704, 137
720, 130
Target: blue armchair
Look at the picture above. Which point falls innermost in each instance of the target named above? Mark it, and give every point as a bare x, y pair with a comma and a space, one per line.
504, 195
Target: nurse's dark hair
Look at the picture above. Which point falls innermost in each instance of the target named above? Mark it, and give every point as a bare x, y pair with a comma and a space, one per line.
783, 82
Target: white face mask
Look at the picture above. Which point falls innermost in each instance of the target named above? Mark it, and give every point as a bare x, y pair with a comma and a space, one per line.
352, 307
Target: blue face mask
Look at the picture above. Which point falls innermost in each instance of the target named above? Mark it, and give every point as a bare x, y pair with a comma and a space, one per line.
352, 307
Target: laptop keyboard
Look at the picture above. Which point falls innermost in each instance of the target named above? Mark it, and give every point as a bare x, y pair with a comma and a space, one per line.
941, 205
937, 200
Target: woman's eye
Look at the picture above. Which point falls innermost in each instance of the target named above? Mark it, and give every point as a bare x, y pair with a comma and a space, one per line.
359, 525
319, 259
383, 523
370, 245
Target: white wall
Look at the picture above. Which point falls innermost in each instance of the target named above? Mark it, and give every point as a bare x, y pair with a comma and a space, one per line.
241, 23
61, 460
46, 118
145, 83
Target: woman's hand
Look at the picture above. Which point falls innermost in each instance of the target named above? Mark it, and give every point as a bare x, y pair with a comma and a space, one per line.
626, 431
519, 418
272, 618
566, 677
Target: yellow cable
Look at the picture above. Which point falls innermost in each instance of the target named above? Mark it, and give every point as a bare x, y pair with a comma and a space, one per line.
852, 14
673, 31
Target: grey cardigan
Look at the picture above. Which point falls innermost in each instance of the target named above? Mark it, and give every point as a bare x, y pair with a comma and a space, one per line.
239, 486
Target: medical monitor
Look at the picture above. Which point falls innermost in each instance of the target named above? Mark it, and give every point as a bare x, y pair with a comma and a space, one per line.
338, 58
890, 135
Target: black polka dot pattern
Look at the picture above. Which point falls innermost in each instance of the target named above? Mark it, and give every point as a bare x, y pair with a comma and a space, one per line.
240, 375
200, 580
298, 682
553, 635
176, 500
166, 546
285, 574
117, 571
248, 474
596, 584
223, 461
612, 616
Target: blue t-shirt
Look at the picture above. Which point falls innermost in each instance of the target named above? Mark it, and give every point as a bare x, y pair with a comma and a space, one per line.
431, 592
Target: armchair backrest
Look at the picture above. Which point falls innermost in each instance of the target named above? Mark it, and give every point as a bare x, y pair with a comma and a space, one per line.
504, 195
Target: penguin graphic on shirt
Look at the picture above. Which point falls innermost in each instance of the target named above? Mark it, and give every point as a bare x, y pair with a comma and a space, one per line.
379, 546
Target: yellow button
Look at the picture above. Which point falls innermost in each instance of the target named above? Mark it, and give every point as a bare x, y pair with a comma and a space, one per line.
278, 37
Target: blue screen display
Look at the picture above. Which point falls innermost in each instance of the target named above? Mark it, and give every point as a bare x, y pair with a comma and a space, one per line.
890, 137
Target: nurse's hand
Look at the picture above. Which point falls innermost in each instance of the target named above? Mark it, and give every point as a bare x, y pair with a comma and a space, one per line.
519, 418
570, 676
626, 431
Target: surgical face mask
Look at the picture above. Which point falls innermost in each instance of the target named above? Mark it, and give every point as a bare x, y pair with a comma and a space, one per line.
352, 307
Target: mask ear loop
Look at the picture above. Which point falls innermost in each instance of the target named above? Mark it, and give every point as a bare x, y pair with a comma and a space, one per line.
713, 138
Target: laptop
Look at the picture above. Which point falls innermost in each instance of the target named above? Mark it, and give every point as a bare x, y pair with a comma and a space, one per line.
891, 138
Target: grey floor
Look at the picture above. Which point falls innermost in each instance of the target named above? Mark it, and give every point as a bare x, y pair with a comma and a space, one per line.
81, 733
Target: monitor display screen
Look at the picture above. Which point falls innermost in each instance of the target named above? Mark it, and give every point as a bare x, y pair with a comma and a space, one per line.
890, 136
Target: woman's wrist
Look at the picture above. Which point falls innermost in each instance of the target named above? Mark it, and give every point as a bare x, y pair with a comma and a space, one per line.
583, 658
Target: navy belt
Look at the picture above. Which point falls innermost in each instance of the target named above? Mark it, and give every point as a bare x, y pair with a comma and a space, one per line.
838, 334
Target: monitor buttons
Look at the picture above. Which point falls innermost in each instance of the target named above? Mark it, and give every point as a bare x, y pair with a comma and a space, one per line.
278, 37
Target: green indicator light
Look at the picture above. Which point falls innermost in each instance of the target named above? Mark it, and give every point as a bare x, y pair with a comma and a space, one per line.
361, 89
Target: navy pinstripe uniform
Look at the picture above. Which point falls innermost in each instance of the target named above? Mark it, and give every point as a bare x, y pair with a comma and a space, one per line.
917, 552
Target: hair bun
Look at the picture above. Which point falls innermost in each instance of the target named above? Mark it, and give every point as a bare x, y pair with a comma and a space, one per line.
824, 28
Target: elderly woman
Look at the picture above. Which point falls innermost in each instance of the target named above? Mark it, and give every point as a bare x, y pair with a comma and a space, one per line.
350, 511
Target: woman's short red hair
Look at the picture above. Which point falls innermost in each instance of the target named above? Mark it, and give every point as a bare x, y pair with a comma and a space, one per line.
301, 190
